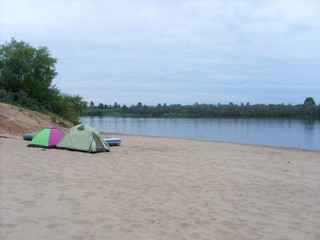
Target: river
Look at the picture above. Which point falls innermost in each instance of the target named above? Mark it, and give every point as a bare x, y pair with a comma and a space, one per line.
304, 134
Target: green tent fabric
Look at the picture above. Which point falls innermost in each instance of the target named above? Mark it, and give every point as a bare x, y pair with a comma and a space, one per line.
84, 138
47, 137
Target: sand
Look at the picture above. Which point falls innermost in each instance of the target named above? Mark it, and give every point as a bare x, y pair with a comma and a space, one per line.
159, 188
18, 121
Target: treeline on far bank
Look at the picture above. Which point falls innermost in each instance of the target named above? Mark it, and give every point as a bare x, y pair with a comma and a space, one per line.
308, 110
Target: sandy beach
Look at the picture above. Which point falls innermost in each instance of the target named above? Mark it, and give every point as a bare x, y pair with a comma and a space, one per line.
159, 188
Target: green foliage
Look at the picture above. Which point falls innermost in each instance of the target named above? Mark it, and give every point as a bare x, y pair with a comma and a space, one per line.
26, 68
6, 96
197, 110
309, 102
26, 75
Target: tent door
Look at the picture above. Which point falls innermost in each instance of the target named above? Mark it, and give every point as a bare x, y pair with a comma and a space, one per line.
99, 144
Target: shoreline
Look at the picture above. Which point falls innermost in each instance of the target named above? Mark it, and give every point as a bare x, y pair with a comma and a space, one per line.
159, 188
111, 134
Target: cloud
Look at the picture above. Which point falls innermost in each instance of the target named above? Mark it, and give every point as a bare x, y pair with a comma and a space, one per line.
185, 51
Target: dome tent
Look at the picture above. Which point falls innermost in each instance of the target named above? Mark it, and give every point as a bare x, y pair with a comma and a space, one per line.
84, 138
47, 137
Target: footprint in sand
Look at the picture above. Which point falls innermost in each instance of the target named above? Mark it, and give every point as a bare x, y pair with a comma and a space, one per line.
111, 226
54, 225
29, 203
90, 194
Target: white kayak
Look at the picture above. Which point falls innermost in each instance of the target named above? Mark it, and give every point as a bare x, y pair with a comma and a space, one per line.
112, 141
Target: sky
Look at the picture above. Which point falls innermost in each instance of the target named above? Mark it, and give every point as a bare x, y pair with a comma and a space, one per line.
175, 51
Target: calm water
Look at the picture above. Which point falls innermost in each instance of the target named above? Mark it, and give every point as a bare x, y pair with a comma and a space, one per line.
273, 132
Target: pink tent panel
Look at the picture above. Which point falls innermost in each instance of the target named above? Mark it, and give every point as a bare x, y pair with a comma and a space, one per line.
55, 136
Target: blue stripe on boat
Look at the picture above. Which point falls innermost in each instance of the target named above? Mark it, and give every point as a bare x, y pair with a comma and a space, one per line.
112, 141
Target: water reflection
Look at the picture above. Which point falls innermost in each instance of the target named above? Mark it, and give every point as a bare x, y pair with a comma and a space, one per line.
312, 132
309, 124
274, 132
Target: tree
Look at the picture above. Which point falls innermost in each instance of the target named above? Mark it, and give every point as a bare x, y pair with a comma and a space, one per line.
115, 105
28, 69
26, 75
100, 106
124, 108
309, 102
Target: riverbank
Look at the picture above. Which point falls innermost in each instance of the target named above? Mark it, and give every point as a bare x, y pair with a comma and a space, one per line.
159, 188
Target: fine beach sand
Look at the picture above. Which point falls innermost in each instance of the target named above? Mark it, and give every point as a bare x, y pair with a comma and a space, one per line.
159, 188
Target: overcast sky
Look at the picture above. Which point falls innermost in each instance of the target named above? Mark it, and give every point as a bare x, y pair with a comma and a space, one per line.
174, 51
